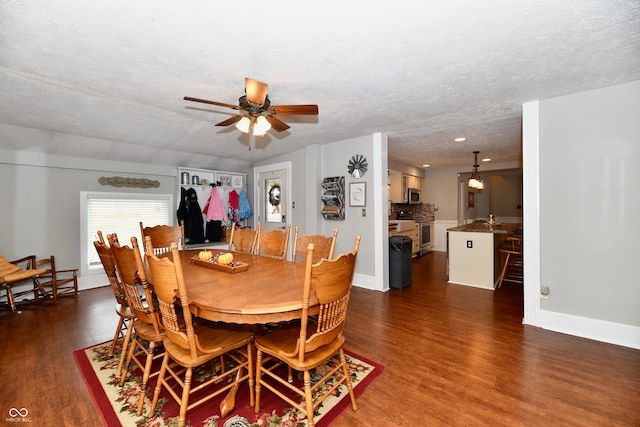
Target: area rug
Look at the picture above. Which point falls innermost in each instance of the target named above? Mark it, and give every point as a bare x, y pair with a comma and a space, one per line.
117, 405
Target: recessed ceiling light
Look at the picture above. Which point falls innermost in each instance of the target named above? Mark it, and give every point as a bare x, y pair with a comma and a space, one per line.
425, 166
461, 139
486, 159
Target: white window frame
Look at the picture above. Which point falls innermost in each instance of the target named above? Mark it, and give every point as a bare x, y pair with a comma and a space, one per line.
86, 241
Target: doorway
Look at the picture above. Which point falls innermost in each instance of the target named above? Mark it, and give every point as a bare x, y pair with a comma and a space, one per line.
272, 189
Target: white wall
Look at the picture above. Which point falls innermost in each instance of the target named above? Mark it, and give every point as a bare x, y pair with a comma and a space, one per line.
312, 164
590, 212
41, 202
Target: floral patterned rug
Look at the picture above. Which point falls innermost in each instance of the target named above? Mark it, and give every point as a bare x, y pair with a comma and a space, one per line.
117, 405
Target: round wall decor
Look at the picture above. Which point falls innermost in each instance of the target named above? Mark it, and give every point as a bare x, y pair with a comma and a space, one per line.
357, 166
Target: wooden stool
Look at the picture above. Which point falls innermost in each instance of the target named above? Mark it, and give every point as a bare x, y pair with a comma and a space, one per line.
512, 270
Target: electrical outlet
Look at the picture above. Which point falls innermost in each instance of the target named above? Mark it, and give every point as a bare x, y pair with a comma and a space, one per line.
470, 244
364, 212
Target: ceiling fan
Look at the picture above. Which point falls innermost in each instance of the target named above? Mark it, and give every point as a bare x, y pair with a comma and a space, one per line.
255, 110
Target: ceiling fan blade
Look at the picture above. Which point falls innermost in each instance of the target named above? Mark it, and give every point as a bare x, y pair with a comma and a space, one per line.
204, 101
277, 124
256, 91
230, 120
300, 110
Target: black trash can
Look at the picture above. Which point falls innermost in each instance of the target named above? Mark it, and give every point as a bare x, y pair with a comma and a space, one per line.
400, 275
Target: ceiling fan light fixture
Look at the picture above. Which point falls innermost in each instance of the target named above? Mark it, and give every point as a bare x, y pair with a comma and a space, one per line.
244, 124
261, 126
474, 181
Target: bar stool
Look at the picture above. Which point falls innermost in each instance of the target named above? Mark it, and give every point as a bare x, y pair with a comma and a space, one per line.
512, 270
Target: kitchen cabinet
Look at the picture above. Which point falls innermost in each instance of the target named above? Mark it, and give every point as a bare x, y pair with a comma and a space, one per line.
409, 181
399, 183
407, 228
395, 186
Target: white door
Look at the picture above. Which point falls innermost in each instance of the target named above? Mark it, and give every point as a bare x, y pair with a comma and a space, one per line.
272, 199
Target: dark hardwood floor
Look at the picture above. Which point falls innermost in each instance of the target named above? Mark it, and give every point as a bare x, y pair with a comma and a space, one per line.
454, 355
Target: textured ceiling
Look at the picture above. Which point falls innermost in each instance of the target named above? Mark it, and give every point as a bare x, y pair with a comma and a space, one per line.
106, 79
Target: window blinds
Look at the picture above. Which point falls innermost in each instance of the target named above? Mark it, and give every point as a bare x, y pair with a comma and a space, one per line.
121, 214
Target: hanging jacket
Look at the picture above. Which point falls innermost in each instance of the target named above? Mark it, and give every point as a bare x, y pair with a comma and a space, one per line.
214, 210
234, 212
194, 228
244, 206
183, 213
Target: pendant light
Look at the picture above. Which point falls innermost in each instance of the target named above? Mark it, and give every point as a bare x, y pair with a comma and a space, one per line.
474, 181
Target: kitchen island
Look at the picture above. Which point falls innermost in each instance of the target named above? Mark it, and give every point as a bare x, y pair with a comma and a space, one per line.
473, 253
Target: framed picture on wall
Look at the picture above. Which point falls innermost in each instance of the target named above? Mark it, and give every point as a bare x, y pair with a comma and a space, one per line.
358, 194
471, 199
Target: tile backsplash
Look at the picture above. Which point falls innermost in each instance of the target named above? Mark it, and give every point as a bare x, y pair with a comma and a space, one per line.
419, 212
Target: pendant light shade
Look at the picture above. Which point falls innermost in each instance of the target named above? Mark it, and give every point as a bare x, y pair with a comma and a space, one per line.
244, 124
474, 181
261, 126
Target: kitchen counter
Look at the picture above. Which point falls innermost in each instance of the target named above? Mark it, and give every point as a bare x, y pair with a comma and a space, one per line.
473, 253
483, 227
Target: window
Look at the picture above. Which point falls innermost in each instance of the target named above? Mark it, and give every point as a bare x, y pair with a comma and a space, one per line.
118, 213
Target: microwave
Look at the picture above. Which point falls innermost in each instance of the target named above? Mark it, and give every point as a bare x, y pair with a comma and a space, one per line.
414, 196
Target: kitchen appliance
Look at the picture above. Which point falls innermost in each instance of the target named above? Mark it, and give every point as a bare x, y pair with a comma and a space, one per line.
425, 237
414, 196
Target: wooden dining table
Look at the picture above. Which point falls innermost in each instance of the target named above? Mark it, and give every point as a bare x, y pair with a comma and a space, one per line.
269, 290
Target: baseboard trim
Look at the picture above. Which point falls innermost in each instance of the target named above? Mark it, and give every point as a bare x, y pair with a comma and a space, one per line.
594, 329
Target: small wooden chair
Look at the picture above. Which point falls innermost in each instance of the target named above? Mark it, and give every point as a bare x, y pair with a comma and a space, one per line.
307, 344
190, 344
146, 325
125, 316
16, 273
61, 282
163, 235
323, 246
244, 239
512, 269
274, 243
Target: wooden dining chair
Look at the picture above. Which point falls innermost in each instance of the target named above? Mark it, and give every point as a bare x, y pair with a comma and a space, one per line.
56, 282
244, 239
323, 246
148, 334
163, 235
274, 243
191, 344
310, 343
125, 316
